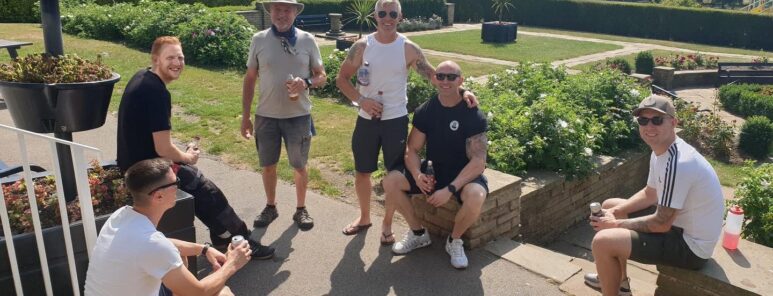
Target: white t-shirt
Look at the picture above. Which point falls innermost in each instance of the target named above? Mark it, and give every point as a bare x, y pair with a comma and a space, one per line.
685, 181
130, 257
388, 74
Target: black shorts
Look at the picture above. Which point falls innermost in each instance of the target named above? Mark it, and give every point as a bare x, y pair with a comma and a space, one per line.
481, 180
369, 136
668, 248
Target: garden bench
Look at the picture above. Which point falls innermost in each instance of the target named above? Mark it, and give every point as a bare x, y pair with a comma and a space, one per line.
761, 73
745, 271
12, 46
11, 174
312, 20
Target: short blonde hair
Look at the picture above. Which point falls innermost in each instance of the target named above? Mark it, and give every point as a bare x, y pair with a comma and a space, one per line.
160, 42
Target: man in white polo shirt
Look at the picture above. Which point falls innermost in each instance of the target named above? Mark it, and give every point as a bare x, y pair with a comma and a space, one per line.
683, 189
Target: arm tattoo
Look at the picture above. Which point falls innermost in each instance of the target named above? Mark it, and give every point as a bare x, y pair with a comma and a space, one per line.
422, 66
652, 223
353, 52
477, 146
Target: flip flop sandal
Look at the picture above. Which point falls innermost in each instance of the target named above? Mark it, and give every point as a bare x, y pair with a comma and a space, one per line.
354, 229
387, 239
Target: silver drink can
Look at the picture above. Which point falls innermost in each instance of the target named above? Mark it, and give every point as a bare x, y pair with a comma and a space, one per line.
595, 209
237, 240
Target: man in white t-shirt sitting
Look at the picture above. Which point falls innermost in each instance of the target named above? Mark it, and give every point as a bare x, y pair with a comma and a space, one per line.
684, 192
132, 258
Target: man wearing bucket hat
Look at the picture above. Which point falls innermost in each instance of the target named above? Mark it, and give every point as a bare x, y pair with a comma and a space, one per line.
288, 62
675, 220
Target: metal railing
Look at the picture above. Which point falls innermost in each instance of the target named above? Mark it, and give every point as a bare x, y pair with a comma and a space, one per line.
87, 211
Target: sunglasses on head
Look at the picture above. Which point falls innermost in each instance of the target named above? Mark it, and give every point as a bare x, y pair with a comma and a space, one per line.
288, 48
383, 14
446, 76
657, 120
175, 183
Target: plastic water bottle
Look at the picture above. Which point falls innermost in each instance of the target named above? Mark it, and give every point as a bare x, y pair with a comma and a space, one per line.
595, 209
363, 74
237, 240
379, 98
293, 96
732, 228
430, 172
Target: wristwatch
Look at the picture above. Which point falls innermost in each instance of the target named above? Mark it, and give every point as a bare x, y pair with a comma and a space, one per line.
308, 82
452, 188
205, 249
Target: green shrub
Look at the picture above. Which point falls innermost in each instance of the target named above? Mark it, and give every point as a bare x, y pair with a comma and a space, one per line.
645, 62
695, 25
756, 137
706, 131
754, 196
216, 39
419, 91
160, 19
747, 99
42, 68
19, 11
619, 64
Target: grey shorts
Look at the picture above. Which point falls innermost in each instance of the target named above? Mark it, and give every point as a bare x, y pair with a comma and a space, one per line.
296, 133
387, 135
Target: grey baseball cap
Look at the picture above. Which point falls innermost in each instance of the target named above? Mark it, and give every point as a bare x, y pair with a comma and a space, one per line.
658, 103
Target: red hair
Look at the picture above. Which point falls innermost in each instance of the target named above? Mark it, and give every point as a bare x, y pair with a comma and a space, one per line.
161, 41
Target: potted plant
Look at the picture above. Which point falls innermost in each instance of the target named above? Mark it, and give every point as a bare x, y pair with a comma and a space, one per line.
499, 31
361, 13
64, 94
108, 193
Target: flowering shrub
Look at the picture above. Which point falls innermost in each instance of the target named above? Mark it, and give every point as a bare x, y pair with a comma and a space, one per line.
705, 130
619, 64
760, 60
539, 117
420, 24
42, 68
107, 190
216, 38
696, 61
754, 196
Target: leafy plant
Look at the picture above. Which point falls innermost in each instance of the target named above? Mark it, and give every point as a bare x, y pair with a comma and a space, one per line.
705, 130
644, 62
108, 193
747, 99
501, 6
619, 64
694, 61
361, 12
216, 39
756, 137
754, 194
42, 68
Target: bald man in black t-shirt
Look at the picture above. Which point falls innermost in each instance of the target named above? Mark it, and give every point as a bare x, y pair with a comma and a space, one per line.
455, 138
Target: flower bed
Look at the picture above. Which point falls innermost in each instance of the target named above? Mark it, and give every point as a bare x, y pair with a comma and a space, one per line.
747, 99
420, 24
695, 61
108, 193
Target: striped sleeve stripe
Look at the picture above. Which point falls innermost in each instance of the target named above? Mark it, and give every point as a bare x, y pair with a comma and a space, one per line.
668, 188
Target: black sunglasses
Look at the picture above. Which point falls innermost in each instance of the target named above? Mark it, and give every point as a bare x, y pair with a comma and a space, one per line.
383, 14
175, 183
443, 76
657, 120
289, 49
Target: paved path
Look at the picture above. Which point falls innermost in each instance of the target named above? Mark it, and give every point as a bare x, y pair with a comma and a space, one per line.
323, 261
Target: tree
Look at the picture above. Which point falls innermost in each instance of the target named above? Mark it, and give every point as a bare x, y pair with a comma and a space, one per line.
501, 6
362, 14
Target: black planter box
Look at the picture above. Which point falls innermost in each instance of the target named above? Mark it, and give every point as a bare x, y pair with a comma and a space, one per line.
176, 223
496, 32
343, 44
62, 107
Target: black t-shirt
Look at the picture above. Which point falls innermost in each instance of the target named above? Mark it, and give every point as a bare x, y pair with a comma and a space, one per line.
447, 130
146, 107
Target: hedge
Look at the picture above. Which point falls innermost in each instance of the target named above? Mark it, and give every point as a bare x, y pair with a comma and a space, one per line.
19, 11
747, 99
411, 8
698, 25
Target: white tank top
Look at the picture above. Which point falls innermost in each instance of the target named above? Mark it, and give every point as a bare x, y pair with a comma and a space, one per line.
389, 74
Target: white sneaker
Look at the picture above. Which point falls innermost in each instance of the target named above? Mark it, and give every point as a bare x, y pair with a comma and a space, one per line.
411, 242
455, 248
592, 279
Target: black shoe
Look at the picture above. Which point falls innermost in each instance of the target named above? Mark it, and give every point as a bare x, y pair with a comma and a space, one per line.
220, 244
302, 218
267, 216
260, 252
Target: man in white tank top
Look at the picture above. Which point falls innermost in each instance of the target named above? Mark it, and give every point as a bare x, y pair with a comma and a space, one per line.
383, 116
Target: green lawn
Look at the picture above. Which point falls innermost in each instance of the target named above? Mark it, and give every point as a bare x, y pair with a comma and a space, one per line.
526, 48
685, 45
631, 58
729, 174
208, 104
471, 69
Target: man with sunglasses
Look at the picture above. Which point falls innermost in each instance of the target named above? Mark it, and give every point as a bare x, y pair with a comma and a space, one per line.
675, 220
144, 132
382, 123
275, 54
455, 140
131, 257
